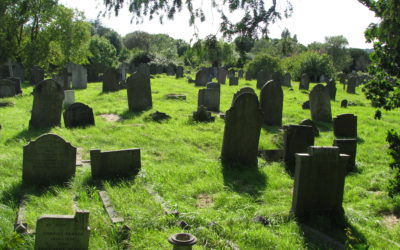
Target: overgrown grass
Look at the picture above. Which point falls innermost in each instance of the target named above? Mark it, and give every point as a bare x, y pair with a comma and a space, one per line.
180, 160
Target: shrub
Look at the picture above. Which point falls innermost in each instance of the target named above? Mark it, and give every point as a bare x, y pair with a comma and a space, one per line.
393, 138
263, 61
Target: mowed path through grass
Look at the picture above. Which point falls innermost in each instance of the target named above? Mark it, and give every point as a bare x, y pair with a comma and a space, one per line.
180, 160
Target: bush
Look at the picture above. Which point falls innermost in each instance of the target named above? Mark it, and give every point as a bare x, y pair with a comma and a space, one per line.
393, 138
265, 62
141, 57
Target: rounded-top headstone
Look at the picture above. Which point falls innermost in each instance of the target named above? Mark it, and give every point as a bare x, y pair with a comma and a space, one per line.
139, 92
271, 103
78, 115
308, 122
320, 104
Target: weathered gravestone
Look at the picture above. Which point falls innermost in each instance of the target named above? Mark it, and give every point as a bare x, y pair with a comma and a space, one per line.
144, 69
233, 80
287, 80
320, 104
308, 122
322, 79
48, 97
179, 72
115, 164
319, 183
344, 103
139, 92
7, 88
17, 84
63, 232
153, 68
351, 84
48, 160
241, 91
304, 82
263, 77
278, 78
78, 115
331, 86
79, 76
170, 70
202, 77
210, 97
37, 75
69, 97
231, 73
296, 139
110, 80
345, 125
306, 105
247, 76
271, 103
202, 115
240, 73
222, 73
242, 131
348, 147
160, 69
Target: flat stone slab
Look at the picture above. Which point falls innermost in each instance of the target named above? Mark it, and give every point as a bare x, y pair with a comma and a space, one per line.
175, 97
109, 207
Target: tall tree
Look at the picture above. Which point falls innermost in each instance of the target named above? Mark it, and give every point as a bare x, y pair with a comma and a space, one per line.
336, 48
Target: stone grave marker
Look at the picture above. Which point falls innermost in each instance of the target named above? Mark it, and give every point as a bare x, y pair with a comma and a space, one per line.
241, 91
144, 69
222, 73
48, 97
242, 131
17, 83
240, 73
320, 104
348, 147
63, 231
308, 122
78, 115
306, 105
110, 80
263, 77
48, 160
170, 70
345, 125
69, 97
287, 80
319, 183
304, 82
123, 70
115, 164
271, 103
352, 84
233, 81
79, 76
179, 72
247, 76
202, 77
331, 86
37, 75
344, 103
202, 115
160, 69
139, 92
278, 77
209, 97
7, 88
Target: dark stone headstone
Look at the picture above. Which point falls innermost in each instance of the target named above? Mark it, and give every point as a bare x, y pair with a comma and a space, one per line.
247, 76
263, 77
7, 88
348, 147
170, 70
319, 183
296, 139
278, 78
304, 82
48, 160
345, 125
287, 80
153, 69
202, 115
48, 98
331, 86
344, 103
17, 83
139, 92
179, 72
308, 122
144, 69
233, 81
240, 73
242, 131
160, 69
222, 73
159, 116
241, 91
115, 164
352, 84
78, 115
210, 97
202, 77
37, 75
111, 80
271, 103
320, 104
306, 105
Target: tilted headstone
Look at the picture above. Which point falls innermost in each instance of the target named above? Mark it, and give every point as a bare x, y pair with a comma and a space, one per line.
110, 80
209, 97
63, 231
271, 103
48, 98
352, 84
233, 81
115, 164
179, 72
7, 88
79, 76
320, 104
308, 122
17, 84
222, 73
139, 92
287, 80
69, 97
331, 86
242, 131
319, 183
202, 77
37, 75
48, 160
345, 125
304, 82
263, 77
78, 115
296, 139
348, 147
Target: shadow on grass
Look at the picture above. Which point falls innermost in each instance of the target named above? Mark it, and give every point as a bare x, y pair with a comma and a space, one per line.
112, 181
271, 129
108, 92
131, 114
244, 179
324, 126
28, 134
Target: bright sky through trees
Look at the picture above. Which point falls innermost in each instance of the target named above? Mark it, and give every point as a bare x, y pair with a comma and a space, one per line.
312, 20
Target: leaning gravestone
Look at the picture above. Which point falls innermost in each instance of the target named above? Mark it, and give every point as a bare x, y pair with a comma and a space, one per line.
296, 139
48, 160
304, 82
331, 86
110, 80
345, 125
63, 231
79, 76
69, 97
7, 88
179, 72
37, 75
115, 164
202, 77
351, 84
319, 183
17, 83
320, 104
344, 103
209, 97
242, 131
348, 147
48, 98
271, 103
78, 115
139, 92
222, 73
263, 77
233, 81
287, 80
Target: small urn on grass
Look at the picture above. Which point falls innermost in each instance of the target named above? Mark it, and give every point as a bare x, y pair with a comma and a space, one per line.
182, 241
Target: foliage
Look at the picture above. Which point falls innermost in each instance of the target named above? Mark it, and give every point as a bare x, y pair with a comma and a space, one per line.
12, 241
336, 47
137, 40
102, 52
243, 45
263, 61
393, 138
141, 57
359, 60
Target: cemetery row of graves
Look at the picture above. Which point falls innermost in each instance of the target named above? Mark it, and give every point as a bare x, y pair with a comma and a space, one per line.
235, 162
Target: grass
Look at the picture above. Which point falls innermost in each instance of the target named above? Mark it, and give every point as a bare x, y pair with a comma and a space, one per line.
180, 161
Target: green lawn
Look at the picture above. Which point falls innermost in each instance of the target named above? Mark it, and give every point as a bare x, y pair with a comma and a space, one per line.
180, 161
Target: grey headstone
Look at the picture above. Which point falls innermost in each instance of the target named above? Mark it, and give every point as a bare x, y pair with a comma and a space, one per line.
115, 164
348, 147
263, 77
209, 98
240, 73
48, 160
320, 104
79, 76
352, 84
63, 231
233, 81
17, 83
308, 122
170, 70
331, 86
202, 77
69, 97
110, 80
78, 115
144, 69
139, 92
37, 75
7, 88
247, 76
322, 79
241, 91
179, 72
202, 115
123, 71
48, 98
304, 82
242, 131
271, 103
345, 125
287, 80
278, 78
222, 73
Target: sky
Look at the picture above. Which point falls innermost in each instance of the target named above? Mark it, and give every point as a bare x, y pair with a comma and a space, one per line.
311, 21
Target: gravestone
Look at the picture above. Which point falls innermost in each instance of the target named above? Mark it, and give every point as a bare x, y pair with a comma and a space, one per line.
110, 80
48, 160
160, 69
79, 76
278, 78
247, 76
144, 69
231, 73
210, 97
7, 88
242, 131
241, 91
287, 80
37, 75
345, 125
17, 84
202, 115
233, 81
351, 84
331, 86
263, 77
18, 71
78, 115
139, 92
69, 97
296, 139
63, 231
115, 164
320, 104
348, 147
48, 98
304, 82
170, 70
222, 73
344, 103
322, 79
202, 77
271, 103
306, 105
308, 122
179, 72
123, 70
240, 73
319, 183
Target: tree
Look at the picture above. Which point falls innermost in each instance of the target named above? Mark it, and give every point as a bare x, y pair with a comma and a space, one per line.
336, 48
137, 40
359, 60
102, 52
243, 46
